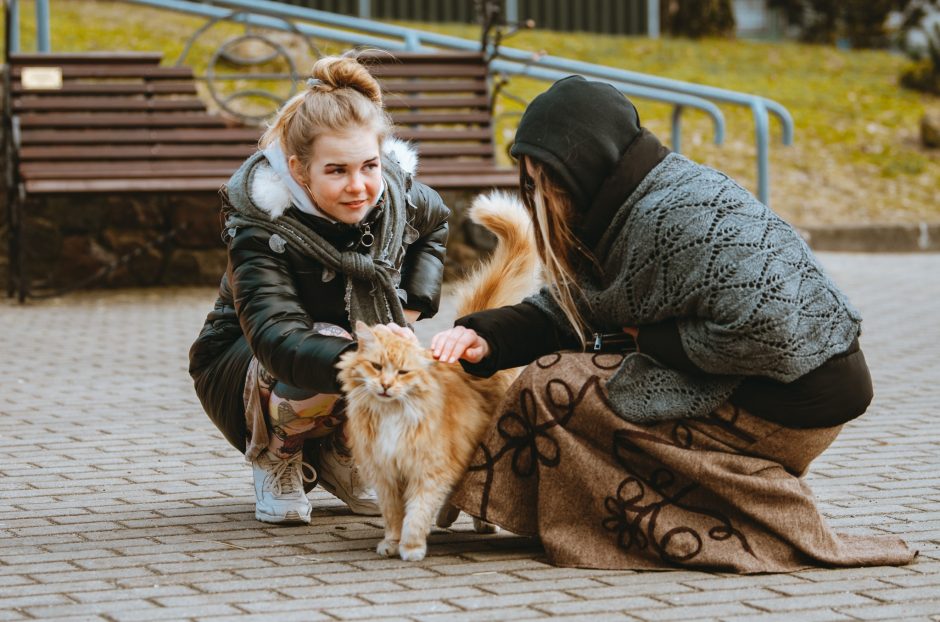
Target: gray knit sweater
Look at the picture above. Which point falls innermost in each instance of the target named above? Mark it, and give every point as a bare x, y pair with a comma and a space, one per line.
750, 297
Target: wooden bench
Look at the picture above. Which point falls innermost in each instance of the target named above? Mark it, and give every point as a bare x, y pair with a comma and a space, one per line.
113, 123
121, 123
441, 102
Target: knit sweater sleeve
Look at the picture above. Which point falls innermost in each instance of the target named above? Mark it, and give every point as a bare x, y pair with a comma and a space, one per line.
756, 301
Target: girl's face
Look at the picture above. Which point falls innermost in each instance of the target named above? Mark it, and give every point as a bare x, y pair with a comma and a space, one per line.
344, 177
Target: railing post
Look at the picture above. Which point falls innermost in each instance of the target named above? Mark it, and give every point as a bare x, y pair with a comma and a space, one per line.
42, 25
762, 134
13, 27
512, 11
677, 128
365, 9
652, 19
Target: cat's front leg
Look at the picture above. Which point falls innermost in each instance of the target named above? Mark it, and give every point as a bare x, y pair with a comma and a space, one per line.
421, 507
393, 512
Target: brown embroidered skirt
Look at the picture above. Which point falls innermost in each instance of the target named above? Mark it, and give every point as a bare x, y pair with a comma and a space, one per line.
722, 493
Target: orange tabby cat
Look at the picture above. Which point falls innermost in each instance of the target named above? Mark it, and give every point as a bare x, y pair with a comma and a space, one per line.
414, 422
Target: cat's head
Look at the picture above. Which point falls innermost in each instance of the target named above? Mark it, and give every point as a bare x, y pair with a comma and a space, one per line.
385, 366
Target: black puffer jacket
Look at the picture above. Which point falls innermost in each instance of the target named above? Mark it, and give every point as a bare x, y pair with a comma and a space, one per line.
268, 302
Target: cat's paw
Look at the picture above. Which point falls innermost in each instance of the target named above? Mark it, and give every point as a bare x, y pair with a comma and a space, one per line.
387, 548
413, 553
481, 526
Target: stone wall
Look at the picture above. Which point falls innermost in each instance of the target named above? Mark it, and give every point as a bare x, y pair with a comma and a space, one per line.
68, 238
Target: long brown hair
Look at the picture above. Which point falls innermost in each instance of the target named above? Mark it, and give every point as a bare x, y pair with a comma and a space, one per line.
552, 211
342, 95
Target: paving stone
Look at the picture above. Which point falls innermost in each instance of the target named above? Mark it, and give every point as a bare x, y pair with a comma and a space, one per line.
324, 601
579, 586
697, 612
539, 599
400, 609
819, 615
302, 614
492, 615
815, 601
633, 605
710, 597
403, 596
902, 611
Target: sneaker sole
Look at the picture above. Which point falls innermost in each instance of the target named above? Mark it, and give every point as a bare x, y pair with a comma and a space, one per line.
290, 517
357, 507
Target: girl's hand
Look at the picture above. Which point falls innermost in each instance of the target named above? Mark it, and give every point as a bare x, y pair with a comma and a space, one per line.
633, 331
401, 331
459, 343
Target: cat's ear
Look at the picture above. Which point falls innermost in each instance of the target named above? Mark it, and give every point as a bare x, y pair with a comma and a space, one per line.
363, 333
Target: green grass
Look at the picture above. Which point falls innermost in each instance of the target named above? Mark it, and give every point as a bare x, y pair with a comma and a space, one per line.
856, 156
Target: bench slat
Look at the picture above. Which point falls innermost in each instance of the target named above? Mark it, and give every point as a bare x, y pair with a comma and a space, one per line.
454, 151
140, 136
84, 58
167, 184
143, 72
449, 118
395, 87
479, 165
428, 71
128, 169
133, 152
458, 134
394, 102
34, 120
225, 135
463, 181
373, 58
111, 104
111, 88
93, 153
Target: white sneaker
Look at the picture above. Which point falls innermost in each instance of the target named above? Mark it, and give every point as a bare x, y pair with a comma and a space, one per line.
279, 489
340, 476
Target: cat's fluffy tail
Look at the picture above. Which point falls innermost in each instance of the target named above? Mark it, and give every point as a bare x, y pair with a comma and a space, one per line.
511, 272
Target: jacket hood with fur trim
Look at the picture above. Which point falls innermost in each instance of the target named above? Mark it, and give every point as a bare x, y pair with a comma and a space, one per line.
270, 193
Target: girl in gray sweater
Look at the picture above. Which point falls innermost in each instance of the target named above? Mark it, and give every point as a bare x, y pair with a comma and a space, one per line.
689, 358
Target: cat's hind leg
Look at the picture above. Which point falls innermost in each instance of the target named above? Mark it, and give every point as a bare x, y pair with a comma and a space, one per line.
481, 526
393, 512
447, 514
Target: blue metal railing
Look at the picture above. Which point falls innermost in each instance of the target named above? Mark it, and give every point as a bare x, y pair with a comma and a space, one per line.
357, 31
268, 14
42, 26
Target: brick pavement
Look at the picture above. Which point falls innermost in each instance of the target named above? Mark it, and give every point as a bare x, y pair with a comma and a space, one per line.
120, 501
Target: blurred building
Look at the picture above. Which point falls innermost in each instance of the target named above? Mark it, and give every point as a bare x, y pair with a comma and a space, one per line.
627, 17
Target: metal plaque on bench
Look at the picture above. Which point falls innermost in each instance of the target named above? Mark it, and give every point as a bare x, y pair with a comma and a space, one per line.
41, 78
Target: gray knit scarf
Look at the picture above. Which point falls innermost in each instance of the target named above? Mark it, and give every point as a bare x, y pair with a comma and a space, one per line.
372, 278
750, 297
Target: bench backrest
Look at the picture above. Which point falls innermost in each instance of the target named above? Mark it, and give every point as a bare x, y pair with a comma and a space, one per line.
441, 101
119, 122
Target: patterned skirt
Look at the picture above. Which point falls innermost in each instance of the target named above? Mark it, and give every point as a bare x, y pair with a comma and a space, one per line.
722, 493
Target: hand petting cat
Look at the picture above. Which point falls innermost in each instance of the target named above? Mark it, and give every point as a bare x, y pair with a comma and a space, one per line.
401, 331
459, 342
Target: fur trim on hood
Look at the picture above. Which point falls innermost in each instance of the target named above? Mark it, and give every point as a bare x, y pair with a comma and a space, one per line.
270, 193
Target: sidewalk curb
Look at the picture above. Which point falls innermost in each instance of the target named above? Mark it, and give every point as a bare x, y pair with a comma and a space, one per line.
900, 238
